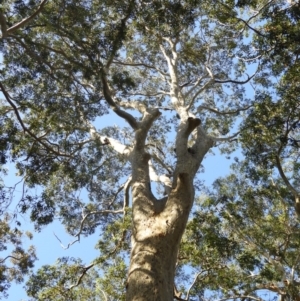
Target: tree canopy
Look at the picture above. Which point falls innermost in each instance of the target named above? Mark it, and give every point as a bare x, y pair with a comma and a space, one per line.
183, 78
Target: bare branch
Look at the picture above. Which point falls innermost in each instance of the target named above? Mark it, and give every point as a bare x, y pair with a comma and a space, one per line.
235, 81
216, 111
126, 193
175, 92
158, 93
13, 257
189, 290
241, 296
165, 166
225, 138
3, 24
115, 144
82, 223
116, 194
250, 27
103, 294
196, 84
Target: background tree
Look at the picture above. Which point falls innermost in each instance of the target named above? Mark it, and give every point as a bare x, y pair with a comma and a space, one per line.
15, 261
176, 73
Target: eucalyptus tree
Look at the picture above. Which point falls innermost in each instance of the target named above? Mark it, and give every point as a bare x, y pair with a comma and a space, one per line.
247, 241
173, 71
253, 246
17, 261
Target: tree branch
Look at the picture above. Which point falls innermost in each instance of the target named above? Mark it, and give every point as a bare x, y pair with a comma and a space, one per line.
189, 290
175, 93
13, 257
116, 45
137, 105
85, 269
108, 97
203, 88
115, 144
225, 138
250, 27
162, 179
140, 65
284, 178
38, 139
126, 193
242, 296
235, 81
82, 223
216, 111
3, 24
6, 32
198, 81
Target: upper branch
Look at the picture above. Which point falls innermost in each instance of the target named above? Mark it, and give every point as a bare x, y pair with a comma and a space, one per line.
149, 117
234, 81
134, 105
284, 178
82, 222
6, 32
216, 111
225, 138
203, 88
117, 62
175, 92
108, 97
84, 271
115, 144
117, 43
195, 85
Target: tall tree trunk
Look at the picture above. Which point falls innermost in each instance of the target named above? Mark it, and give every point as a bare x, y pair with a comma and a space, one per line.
155, 244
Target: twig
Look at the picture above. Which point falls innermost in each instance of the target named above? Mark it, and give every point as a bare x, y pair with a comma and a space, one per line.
82, 223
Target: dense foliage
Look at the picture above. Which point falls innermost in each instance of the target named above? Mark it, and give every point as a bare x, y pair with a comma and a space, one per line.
67, 65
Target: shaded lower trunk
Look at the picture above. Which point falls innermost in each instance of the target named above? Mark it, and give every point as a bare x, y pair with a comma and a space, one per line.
155, 244
152, 269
